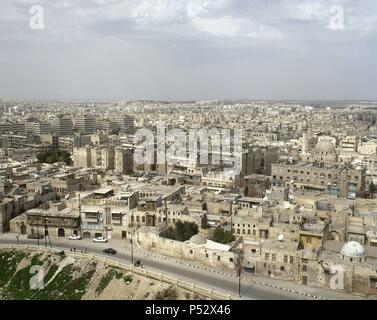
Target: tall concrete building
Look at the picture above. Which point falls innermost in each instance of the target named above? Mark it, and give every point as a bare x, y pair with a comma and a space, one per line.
94, 157
38, 128
103, 158
4, 127
125, 123
123, 160
86, 124
63, 126
18, 128
82, 157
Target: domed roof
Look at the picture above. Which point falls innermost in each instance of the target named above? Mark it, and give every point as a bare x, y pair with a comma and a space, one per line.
353, 249
371, 234
198, 240
325, 146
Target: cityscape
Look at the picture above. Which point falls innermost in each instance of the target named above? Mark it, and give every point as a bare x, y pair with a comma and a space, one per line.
186, 196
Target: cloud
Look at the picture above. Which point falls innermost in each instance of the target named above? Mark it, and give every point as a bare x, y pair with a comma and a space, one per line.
309, 11
224, 26
150, 48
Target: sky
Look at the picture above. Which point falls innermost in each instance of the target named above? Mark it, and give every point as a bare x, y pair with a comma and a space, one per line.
188, 49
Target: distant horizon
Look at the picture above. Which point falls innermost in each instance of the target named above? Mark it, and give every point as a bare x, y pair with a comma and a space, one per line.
88, 100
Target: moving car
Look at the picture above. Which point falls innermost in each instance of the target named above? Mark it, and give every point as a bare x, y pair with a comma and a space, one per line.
100, 239
35, 236
110, 251
137, 263
75, 237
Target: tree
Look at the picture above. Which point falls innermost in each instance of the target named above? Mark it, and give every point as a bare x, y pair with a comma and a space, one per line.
204, 222
222, 236
372, 189
55, 156
182, 231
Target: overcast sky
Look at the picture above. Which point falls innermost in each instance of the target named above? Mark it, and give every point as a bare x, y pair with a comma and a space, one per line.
189, 49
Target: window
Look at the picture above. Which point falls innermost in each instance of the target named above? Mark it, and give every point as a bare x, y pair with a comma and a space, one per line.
266, 256
373, 283
218, 258
290, 259
206, 255
282, 268
91, 215
274, 257
304, 268
253, 250
116, 218
230, 259
285, 259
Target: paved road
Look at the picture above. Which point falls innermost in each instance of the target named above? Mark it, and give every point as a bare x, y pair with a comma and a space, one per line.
253, 288
216, 281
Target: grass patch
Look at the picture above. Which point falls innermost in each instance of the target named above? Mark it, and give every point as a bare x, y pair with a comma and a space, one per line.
64, 287
127, 279
8, 265
167, 294
106, 279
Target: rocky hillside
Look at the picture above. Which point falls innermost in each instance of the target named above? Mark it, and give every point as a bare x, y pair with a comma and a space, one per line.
75, 279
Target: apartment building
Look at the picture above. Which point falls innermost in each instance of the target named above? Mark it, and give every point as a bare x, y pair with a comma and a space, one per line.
338, 180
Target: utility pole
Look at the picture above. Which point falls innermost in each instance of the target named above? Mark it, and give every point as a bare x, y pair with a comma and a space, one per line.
38, 230
47, 234
238, 265
166, 212
79, 198
231, 222
132, 241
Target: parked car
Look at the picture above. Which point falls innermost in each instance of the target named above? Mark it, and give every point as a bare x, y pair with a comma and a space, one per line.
110, 251
100, 239
35, 236
75, 237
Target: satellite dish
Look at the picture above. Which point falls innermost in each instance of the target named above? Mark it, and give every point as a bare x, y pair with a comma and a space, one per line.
280, 237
